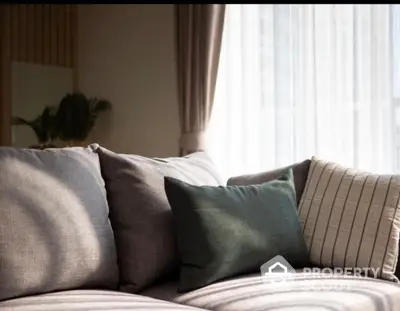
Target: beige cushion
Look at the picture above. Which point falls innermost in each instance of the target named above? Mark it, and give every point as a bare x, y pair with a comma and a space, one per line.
90, 300
350, 218
54, 228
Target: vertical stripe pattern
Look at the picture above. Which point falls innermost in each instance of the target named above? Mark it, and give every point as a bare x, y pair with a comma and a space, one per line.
350, 218
43, 34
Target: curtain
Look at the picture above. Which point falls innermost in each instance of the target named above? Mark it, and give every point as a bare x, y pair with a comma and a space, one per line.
297, 81
199, 34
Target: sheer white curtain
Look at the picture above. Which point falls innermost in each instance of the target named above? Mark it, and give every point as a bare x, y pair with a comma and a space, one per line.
301, 80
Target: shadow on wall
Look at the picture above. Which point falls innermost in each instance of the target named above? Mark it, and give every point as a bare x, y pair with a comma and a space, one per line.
101, 132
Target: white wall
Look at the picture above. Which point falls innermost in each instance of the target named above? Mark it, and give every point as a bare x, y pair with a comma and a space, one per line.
33, 87
126, 54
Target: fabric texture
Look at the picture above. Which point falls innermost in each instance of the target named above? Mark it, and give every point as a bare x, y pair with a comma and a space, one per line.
90, 300
54, 228
295, 292
227, 231
301, 80
199, 33
350, 218
140, 214
300, 172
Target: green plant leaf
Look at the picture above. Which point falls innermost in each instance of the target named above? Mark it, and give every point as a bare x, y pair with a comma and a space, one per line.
77, 115
19, 121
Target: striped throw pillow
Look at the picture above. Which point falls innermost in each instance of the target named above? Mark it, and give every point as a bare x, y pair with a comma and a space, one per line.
350, 218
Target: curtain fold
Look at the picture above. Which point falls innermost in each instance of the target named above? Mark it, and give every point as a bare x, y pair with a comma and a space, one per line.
198, 42
302, 80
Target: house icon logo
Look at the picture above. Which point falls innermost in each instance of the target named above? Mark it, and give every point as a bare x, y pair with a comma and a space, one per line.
275, 267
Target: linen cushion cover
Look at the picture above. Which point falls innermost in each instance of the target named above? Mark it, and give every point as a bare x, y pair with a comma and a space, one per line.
91, 300
300, 171
295, 292
54, 228
350, 218
140, 214
226, 231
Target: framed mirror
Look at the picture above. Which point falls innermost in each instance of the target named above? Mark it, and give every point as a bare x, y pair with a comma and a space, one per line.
38, 54
33, 88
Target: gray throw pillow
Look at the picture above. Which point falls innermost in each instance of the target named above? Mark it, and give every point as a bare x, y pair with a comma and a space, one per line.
300, 172
227, 231
140, 214
54, 228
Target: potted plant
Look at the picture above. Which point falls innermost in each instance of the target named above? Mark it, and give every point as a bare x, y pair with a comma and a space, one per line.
43, 126
76, 117
70, 122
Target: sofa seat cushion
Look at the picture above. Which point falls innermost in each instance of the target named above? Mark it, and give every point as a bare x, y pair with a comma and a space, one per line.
84, 300
295, 292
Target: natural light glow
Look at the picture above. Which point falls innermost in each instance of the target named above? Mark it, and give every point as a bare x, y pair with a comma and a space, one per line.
301, 80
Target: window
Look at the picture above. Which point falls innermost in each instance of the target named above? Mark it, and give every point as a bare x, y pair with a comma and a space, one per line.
301, 80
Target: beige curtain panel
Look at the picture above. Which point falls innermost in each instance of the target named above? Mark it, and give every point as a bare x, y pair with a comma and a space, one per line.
199, 35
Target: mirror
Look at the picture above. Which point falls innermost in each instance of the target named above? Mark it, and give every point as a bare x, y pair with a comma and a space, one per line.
33, 87
40, 102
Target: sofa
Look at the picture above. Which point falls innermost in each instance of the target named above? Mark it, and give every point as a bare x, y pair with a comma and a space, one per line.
85, 228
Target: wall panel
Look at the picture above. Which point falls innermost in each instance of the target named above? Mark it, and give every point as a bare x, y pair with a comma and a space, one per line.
34, 33
43, 34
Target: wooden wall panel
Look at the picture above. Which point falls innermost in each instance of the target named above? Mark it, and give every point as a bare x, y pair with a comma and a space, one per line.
45, 57
74, 45
39, 29
5, 74
35, 33
41, 33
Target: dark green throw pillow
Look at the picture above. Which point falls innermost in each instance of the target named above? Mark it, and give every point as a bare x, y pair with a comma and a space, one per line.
227, 231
